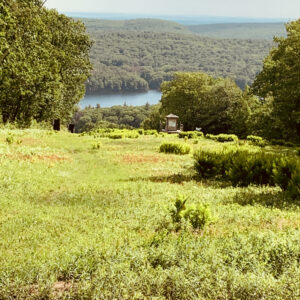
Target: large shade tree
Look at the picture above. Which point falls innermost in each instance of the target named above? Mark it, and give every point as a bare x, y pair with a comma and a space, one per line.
214, 104
280, 79
44, 62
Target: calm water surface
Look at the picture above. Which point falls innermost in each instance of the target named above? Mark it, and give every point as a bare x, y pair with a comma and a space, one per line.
137, 99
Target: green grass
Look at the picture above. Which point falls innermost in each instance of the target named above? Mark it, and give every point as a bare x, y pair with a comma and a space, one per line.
82, 223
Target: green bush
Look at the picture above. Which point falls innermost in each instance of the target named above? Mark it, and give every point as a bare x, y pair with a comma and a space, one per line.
222, 137
9, 139
96, 145
243, 168
293, 188
150, 132
282, 143
141, 131
113, 133
256, 140
115, 136
175, 148
210, 164
290, 144
177, 212
131, 134
187, 134
286, 174
198, 216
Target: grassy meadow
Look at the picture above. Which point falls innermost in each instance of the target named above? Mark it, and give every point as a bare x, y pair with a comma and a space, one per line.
89, 218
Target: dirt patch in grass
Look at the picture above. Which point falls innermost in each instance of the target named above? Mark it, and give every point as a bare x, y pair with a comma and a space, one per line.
281, 224
28, 141
142, 158
60, 287
40, 157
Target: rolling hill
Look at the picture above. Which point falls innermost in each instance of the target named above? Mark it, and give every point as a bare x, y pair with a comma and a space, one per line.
137, 55
151, 25
240, 31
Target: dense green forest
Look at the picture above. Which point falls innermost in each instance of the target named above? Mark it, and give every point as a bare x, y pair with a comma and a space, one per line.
137, 55
150, 25
117, 116
132, 60
264, 31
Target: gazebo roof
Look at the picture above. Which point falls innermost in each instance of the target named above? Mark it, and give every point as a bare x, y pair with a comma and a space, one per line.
171, 116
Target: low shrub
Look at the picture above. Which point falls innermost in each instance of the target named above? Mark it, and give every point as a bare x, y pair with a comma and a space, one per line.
150, 132
96, 145
141, 131
198, 216
222, 137
131, 134
293, 187
113, 133
243, 168
210, 164
256, 140
177, 212
9, 139
282, 143
190, 134
115, 136
175, 148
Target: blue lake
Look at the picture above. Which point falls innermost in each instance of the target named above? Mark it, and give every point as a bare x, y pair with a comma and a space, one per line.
135, 99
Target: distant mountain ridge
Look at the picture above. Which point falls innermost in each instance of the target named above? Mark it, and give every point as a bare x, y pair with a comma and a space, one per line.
184, 20
240, 30
149, 25
137, 55
253, 31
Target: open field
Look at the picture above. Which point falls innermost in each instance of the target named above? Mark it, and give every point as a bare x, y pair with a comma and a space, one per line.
86, 218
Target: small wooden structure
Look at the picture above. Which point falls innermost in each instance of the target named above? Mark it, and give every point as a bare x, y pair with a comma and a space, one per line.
171, 124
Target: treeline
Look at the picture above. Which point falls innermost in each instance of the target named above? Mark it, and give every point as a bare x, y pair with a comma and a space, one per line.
119, 116
216, 105
148, 25
138, 61
271, 108
264, 31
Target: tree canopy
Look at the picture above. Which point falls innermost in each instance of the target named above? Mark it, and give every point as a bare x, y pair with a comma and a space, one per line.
214, 104
125, 116
137, 60
280, 78
44, 62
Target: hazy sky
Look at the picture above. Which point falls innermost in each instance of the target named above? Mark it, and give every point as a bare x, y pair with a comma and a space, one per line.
231, 8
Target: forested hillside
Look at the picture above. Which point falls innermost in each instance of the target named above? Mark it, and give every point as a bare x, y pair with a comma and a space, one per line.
141, 59
153, 25
240, 31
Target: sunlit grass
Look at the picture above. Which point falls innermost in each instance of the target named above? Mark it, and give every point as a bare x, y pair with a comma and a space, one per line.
97, 220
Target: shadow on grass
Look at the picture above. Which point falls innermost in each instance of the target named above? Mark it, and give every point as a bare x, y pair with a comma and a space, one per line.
180, 178
174, 178
274, 198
